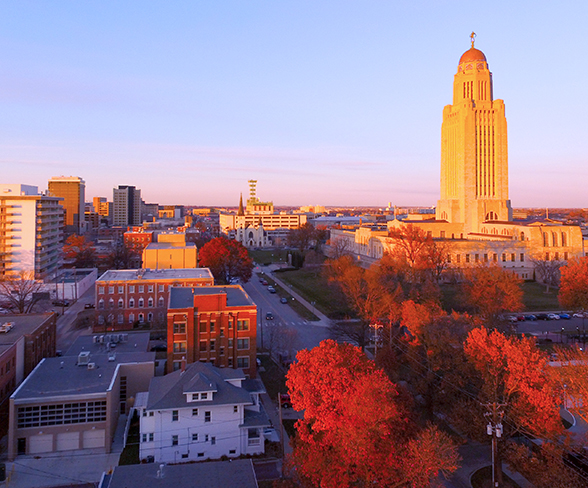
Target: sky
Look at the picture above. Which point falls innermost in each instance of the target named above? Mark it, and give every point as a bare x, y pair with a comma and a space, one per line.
335, 103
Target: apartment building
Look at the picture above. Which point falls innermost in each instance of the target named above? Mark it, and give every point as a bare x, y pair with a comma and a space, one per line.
216, 324
126, 298
126, 206
31, 231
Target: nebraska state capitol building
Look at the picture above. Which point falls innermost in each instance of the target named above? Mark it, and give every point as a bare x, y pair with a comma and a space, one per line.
474, 211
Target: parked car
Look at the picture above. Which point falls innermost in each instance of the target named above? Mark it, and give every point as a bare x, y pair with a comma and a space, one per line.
553, 316
530, 317
89, 305
542, 316
264, 283
521, 318
565, 316
512, 318
60, 303
581, 315
285, 400
269, 316
283, 300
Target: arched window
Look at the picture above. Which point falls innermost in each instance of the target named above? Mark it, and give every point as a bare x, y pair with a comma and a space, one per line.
443, 215
150, 317
150, 302
111, 303
120, 303
554, 239
491, 216
131, 318
101, 305
564, 240
141, 318
141, 303
545, 240
132, 303
161, 302
522, 236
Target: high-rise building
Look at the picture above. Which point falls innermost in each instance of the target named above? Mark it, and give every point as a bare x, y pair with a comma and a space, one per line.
72, 189
101, 206
31, 231
126, 206
474, 149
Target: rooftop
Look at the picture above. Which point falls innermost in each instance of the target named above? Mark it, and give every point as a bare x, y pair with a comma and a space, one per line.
22, 325
171, 245
128, 342
183, 297
237, 473
156, 274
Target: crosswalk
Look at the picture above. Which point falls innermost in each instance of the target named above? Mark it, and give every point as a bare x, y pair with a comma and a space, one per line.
285, 322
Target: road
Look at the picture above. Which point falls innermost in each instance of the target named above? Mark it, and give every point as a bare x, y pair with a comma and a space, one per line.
66, 334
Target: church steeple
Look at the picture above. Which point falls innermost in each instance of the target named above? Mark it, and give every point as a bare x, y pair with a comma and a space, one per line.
241, 212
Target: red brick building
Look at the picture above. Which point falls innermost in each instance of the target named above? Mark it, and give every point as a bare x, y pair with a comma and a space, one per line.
216, 324
127, 298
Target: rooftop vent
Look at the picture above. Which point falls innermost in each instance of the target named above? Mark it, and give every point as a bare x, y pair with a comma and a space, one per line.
83, 358
91, 365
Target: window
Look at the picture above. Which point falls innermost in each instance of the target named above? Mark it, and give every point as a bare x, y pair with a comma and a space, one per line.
161, 302
243, 362
150, 288
206, 438
141, 318
221, 351
233, 451
235, 409
564, 239
175, 415
522, 257
485, 258
495, 258
230, 362
202, 326
101, 304
120, 303
194, 437
477, 257
101, 319
161, 288
100, 290
442, 234
180, 346
207, 416
230, 343
213, 440
212, 344
467, 258
202, 346
150, 316
131, 318
203, 396
200, 454
212, 325
111, 303
150, 303
132, 303
194, 411
131, 288
141, 289
144, 438
513, 257
230, 323
121, 318
243, 343
458, 258
111, 289
504, 257
179, 328
222, 332
121, 289
151, 433
175, 440
141, 303
566, 255
243, 324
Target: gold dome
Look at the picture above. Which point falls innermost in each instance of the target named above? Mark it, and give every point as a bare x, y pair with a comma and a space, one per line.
472, 55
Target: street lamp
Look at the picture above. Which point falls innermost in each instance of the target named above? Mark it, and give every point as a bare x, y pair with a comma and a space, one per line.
376, 335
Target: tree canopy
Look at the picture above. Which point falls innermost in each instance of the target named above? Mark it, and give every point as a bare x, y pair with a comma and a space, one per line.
79, 252
356, 429
573, 291
226, 259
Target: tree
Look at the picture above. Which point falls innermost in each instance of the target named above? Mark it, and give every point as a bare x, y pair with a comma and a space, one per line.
573, 291
572, 371
20, 292
339, 247
514, 374
121, 257
547, 271
301, 237
356, 430
489, 291
79, 252
227, 259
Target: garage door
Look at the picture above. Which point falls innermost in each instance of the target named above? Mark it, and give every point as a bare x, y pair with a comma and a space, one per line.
94, 438
68, 441
40, 443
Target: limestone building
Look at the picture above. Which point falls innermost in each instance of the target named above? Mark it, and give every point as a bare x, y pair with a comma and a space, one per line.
474, 212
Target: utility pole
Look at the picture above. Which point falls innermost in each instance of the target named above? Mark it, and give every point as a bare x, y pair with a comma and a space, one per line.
281, 431
494, 428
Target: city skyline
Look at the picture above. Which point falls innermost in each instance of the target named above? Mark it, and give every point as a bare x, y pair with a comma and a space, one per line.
329, 104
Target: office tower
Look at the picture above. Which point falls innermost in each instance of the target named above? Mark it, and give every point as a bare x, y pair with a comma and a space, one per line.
72, 190
126, 206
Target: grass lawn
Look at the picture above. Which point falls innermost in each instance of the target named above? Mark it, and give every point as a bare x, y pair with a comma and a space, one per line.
293, 303
269, 256
314, 288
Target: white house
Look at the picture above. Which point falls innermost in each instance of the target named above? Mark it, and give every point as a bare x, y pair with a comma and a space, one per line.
201, 412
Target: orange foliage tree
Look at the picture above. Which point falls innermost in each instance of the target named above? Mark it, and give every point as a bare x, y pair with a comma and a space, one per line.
490, 291
227, 259
79, 252
573, 291
356, 431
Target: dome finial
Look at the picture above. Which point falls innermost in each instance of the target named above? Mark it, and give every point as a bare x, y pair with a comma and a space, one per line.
473, 38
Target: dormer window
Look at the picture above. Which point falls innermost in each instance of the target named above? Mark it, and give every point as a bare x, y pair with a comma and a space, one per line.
203, 396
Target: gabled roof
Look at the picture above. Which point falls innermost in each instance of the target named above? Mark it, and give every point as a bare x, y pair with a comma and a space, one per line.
168, 391
200, 382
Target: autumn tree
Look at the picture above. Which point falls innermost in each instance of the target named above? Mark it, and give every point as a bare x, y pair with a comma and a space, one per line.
339, 247
20, 292
356, 430
79, 252
513, 373
547, 271
573, 290
227, 259
489, 290
121, 256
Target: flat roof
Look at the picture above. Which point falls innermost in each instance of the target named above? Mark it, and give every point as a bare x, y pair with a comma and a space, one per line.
62, 377
156, 274
183, 297
23, 324
120, 342
236, 473
171, 245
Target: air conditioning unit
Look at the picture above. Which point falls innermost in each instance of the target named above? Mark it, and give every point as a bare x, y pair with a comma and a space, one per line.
83, 358
91, 365
95, 339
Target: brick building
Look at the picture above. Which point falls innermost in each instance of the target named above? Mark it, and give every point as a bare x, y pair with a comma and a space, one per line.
216, 324
126, 298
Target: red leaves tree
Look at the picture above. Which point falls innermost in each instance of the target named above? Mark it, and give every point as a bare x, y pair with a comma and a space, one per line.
490, 290
573, 291
79, 252
355, 430
227, 259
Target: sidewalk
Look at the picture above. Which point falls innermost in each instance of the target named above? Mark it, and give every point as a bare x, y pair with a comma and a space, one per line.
324, 320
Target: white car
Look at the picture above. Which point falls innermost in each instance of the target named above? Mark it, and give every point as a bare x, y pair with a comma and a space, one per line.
553, 316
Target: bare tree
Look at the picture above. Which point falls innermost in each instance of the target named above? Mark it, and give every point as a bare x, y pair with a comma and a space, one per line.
547, 271
339, 247
283, 340
20, 292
